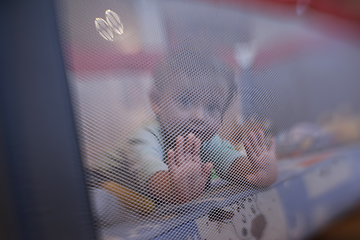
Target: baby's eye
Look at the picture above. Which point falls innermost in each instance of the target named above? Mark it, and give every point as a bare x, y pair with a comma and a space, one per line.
213, 108
185, 101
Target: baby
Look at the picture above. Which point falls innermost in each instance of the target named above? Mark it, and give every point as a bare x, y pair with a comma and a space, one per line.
173, 158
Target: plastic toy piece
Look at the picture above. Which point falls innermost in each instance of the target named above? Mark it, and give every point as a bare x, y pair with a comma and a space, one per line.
131, 199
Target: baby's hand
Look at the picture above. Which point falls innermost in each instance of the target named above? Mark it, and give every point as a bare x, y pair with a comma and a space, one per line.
263, 159
188, 176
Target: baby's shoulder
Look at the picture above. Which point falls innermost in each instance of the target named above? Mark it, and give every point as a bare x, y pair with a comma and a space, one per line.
146, 135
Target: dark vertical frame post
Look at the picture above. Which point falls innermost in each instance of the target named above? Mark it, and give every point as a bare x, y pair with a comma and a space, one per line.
43, 188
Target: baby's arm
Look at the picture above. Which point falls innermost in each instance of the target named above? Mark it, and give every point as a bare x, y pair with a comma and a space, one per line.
186, 177
260, 165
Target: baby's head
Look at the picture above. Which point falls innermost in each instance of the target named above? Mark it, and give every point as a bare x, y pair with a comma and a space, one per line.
191, 93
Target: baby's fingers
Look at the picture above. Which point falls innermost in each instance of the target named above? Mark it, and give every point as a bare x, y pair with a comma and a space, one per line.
206, 169
179, 150
189, 144
258, 141
249, 150
170, 159
253, 140
261, 138
196, 149
272, 146
192, 148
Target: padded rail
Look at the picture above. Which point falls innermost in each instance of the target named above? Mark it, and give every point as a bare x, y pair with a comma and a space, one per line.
310, 192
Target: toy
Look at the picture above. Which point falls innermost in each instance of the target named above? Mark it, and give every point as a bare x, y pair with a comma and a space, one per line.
131, 199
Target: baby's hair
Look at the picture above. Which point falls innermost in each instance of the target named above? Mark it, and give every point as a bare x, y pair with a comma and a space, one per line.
192, 64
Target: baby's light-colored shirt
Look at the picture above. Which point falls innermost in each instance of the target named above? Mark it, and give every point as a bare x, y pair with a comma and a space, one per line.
147, 155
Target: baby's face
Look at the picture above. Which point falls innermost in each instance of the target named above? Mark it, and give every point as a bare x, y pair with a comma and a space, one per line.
192, 106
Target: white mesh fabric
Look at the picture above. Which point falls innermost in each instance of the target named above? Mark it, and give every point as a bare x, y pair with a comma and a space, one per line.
190, 114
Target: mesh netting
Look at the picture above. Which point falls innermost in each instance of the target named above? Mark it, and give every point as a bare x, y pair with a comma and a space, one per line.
194, 116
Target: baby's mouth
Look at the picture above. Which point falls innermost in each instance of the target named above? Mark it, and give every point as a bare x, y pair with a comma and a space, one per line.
199, 133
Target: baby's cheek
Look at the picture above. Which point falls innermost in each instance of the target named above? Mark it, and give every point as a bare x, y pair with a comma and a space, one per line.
174, 125
213, 129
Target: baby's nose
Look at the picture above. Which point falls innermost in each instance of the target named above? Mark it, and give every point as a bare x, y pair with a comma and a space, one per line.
198, 113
